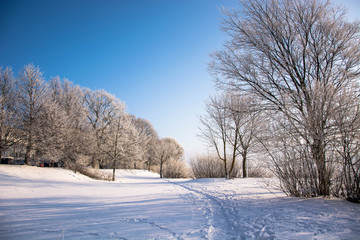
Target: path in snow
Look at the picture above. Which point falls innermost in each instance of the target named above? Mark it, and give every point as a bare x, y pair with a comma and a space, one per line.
44, 203
225, 219
250, 209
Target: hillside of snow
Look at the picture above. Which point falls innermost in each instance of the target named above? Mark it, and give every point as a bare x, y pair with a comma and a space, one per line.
51, 203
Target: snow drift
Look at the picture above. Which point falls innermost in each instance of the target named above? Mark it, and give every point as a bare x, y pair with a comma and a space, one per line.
48, 203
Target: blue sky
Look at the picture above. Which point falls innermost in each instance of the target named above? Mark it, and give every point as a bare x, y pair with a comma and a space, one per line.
151, 54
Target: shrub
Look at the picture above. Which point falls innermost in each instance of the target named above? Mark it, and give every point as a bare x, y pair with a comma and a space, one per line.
176, 169
257, 171
211, 167
91, 172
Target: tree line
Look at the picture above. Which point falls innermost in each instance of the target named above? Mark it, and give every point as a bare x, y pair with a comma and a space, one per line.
58, 121
289, 82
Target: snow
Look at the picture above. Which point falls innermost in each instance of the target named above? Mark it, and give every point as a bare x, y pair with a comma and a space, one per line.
50, 203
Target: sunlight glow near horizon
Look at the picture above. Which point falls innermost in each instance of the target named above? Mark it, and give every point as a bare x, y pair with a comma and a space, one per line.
152, 55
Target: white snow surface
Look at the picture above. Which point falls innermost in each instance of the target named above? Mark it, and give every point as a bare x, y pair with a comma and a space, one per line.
51, 203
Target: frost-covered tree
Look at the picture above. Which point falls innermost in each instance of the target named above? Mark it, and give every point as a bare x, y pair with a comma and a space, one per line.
60, 122
52, 132
347, 143
121, 139
31, 99
101, 110
207, 166
165, 150
8, 118
146, 135
65, 132
176, 168
297, 56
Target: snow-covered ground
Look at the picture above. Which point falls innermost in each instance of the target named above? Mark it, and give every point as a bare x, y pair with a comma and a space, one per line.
48, 203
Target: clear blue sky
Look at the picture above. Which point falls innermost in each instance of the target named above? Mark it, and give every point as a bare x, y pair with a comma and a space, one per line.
151, 54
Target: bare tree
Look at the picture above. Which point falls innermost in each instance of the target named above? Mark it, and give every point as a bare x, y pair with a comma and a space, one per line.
8, 118
247, 123
230, 126
347, 142
215, 129
32, 92
297, 56
231, 104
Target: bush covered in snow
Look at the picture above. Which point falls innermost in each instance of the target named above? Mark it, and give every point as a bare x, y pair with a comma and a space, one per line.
176, 169
91, 172
210, 166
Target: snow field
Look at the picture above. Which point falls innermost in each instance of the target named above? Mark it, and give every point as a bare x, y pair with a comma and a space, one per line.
49, 203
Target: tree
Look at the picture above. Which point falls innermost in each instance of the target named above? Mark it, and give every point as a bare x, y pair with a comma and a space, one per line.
64, 134
165, 150
297, 56
8, 119
54, 127
61, 122
31, 99
101, 108
78, 140
175, 168
247, 121
146, 135
347, 142
215, 129
230, 127
121, 139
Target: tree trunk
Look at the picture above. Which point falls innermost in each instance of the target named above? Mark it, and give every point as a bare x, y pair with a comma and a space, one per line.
323, 175
161, 169
234, 154
113, 177
225, 169
95, 163
27, 154
1, 151
1, 143
244, 156
232, 166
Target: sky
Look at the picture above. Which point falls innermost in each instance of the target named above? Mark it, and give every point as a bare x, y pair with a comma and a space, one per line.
151, 54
